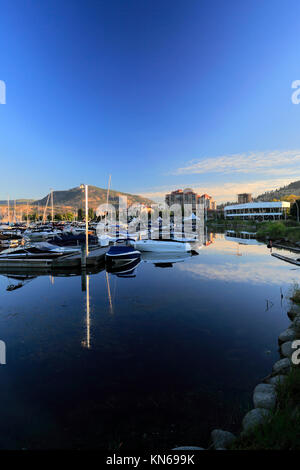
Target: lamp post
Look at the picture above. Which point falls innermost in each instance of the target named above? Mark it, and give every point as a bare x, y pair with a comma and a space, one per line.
85, 187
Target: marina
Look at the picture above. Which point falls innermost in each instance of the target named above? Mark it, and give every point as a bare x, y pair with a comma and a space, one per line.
149, 229
149, 336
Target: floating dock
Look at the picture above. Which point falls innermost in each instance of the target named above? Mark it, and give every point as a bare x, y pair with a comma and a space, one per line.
95, 257
25, 264
284, 247
286, 258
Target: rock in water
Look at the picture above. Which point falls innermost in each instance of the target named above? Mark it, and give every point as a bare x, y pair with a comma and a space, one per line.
282, 367
294, 311
254, 418
287, 335
264, 396
222, 439
278, 379
286, 349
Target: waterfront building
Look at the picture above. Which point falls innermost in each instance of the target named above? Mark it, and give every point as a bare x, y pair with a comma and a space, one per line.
188, 196
244, 198
208, 202
257, 211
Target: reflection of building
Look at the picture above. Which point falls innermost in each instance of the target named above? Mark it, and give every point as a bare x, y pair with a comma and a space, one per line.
209, 239
257, 210
244, 198
188, 196
243, 238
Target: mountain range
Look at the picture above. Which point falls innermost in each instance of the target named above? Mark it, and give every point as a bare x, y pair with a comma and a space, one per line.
286, 192
74, 198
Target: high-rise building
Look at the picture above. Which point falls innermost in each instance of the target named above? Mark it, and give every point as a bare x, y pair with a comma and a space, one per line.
188, 196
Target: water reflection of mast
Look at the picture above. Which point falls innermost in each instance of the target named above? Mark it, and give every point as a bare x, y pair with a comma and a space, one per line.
85, 286
109, 294
88, 324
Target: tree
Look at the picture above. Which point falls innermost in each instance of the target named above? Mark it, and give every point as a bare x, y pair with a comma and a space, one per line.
91, 214
80, 214
69, 216
294, 209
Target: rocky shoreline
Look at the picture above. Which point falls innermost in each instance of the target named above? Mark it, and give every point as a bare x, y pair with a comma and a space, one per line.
265, 394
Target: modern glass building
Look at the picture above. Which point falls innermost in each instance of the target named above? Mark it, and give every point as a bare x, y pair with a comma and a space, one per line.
257, 211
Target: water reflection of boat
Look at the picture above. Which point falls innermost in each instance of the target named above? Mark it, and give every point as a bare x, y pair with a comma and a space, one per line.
125, 270
16, 273
244, 238
164, 260
162, 246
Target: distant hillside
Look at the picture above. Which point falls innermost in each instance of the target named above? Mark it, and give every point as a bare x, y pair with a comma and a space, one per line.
74, 198
292, 189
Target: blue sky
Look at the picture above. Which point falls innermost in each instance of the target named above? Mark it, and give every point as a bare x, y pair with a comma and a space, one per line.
160, 94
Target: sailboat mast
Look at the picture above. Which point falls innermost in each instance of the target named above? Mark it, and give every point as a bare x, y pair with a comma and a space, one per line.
8, 216
107, 197
52, 214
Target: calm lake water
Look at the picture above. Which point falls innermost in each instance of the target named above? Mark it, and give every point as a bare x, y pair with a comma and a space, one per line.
162, 359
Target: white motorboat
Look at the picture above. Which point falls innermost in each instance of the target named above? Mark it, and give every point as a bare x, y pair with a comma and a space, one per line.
162, 246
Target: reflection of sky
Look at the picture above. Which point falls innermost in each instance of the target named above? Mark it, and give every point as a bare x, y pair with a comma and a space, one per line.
207, 325
227, 260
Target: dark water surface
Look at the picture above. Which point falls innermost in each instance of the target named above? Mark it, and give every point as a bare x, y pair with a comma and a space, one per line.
176, 353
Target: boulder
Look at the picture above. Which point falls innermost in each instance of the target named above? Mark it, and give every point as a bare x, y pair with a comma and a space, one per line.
222, 439
281, 367
264, 396
287, 335
286, 349
294, 311
278, 379
254, 418
296, 323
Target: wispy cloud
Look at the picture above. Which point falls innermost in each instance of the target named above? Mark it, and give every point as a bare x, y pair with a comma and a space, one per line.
268, 163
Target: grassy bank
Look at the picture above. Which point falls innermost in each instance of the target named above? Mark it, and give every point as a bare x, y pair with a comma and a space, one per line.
233, 224
289, 230
281, 430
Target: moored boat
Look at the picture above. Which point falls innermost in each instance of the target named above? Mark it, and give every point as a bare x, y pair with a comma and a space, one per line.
121, 253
